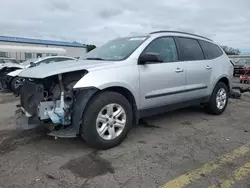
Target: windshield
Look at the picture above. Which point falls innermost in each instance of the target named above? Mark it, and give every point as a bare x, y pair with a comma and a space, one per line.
115, 50
27, 62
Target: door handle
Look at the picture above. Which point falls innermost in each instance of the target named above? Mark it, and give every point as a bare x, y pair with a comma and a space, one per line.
208, 67
178, 70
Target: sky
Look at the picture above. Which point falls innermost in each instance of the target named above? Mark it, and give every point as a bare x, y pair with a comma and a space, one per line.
227, 22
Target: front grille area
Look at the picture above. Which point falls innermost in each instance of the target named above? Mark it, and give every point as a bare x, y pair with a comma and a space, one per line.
31, 95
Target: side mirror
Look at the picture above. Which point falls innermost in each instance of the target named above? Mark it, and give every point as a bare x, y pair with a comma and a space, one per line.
149, 57
32, 64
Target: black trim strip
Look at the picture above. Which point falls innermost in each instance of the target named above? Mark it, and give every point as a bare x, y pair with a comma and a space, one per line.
174, 92
171, 107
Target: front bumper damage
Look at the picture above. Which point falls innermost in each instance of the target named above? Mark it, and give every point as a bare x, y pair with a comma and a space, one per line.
35, 112
25, 121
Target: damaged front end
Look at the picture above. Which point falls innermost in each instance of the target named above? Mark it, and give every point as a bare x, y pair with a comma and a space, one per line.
53, 101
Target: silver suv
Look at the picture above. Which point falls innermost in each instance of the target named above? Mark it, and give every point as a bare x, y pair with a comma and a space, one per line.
100, 96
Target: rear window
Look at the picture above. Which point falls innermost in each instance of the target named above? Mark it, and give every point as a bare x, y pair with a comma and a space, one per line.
189, 49
211, 51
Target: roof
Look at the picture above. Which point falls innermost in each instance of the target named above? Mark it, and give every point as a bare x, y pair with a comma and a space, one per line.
39, 41
180, 32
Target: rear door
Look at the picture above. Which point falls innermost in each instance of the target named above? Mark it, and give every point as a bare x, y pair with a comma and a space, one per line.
198, 71
162, 83
214, 59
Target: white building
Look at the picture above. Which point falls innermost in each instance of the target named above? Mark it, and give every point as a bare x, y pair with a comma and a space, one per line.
72, 49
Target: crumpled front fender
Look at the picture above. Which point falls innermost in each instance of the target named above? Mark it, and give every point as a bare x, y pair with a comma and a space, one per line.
82, 97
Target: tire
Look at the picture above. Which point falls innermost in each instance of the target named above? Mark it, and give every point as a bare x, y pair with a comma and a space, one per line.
88, 130
13, 85
211, 107
241, 81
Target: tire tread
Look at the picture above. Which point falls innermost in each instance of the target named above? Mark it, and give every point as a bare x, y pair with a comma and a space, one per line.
88, 130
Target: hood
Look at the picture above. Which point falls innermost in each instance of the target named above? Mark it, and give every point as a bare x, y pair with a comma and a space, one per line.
46, 70
15, 73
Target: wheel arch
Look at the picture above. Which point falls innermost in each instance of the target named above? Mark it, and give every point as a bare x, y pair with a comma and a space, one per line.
225, 80
129, 96
84, 96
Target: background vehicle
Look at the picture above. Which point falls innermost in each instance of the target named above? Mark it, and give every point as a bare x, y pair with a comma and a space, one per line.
242, 67
8, 61
113, 86
7, 65
14, 82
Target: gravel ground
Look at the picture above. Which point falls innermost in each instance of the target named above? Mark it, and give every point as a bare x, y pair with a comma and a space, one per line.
159, 150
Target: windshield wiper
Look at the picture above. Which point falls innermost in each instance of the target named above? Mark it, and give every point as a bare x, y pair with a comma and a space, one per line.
94, 58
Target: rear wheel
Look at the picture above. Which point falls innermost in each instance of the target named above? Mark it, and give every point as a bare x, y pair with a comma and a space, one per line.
106, 120
218, 100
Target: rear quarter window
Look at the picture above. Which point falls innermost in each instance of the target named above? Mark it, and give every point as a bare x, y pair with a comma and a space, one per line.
211, 51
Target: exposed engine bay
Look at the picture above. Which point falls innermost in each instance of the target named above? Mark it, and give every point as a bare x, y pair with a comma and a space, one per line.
51, 98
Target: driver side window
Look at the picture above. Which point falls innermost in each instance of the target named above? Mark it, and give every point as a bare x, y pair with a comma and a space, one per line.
165, 47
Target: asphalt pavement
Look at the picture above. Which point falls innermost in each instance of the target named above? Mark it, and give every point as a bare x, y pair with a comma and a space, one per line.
184, 148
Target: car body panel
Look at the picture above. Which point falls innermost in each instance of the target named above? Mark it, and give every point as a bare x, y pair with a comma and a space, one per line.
46, 70
161, 85
222, 68
15, 73
197, 78
115, 76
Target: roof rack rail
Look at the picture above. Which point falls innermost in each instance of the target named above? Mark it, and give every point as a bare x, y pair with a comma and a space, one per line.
155, 32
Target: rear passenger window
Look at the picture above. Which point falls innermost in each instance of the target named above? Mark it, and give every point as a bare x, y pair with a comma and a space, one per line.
189, 49
210, 50
165, 47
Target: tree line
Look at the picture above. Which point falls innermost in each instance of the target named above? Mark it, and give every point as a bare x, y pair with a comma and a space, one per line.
230, 51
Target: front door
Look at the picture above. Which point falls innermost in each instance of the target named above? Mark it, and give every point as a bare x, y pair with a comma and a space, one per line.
162, 83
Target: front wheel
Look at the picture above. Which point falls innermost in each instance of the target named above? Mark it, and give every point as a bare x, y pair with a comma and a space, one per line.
218, 100
15, 84
107, 120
